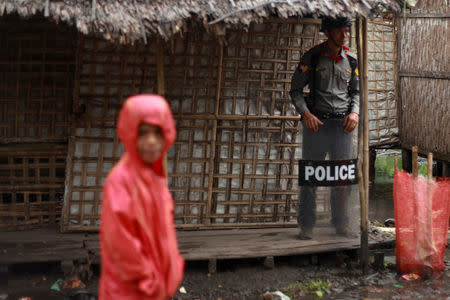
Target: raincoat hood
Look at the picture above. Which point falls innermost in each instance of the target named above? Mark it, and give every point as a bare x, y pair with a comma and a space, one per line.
150, 109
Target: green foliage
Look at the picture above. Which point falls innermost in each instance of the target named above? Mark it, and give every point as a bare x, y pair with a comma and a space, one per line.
384, 168
315, 287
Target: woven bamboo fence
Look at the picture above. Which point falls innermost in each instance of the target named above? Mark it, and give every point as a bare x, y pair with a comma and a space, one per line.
424, 78
383, 118
234, 162
32, 185
36, 82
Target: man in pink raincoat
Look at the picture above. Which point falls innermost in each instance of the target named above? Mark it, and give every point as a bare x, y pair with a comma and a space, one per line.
139, 250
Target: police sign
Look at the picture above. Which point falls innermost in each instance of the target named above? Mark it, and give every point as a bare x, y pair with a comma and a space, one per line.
327, 172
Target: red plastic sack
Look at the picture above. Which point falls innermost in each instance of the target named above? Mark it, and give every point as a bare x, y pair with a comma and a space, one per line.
421, 212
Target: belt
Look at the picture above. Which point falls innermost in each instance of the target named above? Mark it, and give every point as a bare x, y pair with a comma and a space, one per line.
329, 115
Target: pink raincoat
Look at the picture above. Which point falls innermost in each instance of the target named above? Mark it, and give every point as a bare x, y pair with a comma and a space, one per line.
139, 250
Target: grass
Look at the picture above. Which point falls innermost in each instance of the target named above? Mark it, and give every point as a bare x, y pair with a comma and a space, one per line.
314, 287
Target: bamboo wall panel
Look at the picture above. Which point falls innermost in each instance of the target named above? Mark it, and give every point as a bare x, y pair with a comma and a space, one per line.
36, 80
191, 69
383, 118
235, 157
434, 6
427, 116
426, 47
258, 137
31, 185
424, 81
106, 75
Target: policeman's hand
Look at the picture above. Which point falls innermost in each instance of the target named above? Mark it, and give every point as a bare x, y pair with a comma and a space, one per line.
350, 122
311, 121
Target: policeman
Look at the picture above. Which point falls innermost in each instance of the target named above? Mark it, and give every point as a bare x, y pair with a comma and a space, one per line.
330, 114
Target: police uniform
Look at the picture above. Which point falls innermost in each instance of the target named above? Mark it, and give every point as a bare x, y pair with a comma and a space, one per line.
336, 83
334, 93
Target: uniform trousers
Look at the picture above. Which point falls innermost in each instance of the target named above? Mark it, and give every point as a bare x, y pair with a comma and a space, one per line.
330, 139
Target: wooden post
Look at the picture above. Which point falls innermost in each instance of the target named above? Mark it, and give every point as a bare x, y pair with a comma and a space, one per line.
160, 81
160, 66
415, 155
439, 168
212, 266
378, 257
372, 160
4, 274
76, 106
406, 160
214, 135
363, 146
269, 262
445, 169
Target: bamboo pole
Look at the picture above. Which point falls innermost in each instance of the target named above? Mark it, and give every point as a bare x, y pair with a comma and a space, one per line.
365, 207
362, 195
214, 135
430, 167
68, 186
399, 23
360, 128
415, 167
429, 240
363, 145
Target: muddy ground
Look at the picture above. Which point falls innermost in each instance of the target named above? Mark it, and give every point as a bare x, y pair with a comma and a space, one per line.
329, 275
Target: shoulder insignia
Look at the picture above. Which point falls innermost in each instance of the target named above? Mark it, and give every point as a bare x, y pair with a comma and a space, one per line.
302, 68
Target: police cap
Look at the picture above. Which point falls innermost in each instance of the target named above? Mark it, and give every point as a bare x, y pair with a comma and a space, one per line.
330, 23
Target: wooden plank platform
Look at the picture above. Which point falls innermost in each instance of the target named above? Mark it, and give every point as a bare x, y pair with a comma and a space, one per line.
209, 245
51, 245
40, 246
253, 243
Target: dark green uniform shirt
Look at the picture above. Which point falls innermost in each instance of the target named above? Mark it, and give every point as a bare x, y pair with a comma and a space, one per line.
336, 84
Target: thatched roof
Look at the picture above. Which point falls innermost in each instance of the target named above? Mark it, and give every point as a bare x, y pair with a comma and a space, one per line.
131, 20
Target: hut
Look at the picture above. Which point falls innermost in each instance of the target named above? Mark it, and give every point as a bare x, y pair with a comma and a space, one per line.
423, 82
224, 66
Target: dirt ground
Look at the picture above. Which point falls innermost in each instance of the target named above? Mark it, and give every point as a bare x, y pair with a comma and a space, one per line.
250, 280
333, 275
